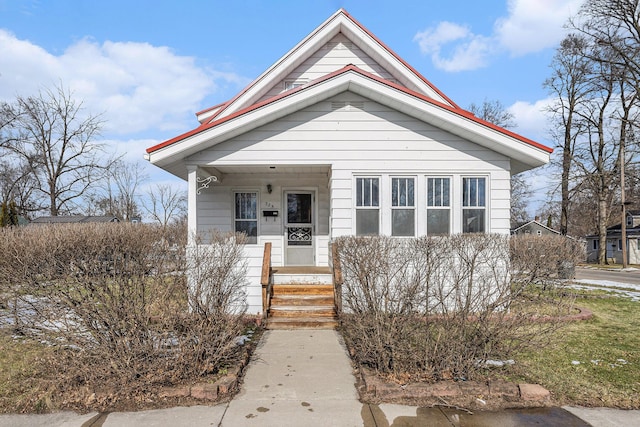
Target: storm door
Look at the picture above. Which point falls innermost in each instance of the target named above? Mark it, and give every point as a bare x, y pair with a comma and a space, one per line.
299, 228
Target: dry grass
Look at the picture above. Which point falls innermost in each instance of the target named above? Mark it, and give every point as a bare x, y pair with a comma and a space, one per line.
23, 374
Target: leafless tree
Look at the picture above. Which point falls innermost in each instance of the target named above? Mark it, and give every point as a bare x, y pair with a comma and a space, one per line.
55, 139
569, 84
166, 204
119, 194
18, 185
494, 112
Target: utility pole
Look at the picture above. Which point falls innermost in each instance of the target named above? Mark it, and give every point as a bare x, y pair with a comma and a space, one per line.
623, 224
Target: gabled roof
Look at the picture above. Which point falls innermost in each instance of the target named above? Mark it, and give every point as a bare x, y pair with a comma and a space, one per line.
339, 22
73, 219
412, 94
515, 230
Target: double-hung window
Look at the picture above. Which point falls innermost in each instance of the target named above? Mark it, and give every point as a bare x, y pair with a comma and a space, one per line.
403, 208
367, 206
246, 215
438, 206
474, 205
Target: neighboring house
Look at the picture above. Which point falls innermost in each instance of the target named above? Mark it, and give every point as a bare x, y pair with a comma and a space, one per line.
534, 228
614, 241
342, 137
73, 219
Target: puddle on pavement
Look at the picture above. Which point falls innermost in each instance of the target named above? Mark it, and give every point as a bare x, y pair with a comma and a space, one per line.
374, 416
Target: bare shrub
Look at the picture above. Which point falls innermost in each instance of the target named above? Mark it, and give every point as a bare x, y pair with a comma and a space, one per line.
217, 274
114, 299
540, 260
433, 307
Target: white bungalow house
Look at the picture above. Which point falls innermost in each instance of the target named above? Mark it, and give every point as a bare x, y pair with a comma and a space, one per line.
340, 137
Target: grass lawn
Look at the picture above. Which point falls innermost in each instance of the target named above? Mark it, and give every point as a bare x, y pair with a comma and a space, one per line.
22, 380
590, 363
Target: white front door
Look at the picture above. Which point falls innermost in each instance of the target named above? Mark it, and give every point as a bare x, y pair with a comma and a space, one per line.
299, 228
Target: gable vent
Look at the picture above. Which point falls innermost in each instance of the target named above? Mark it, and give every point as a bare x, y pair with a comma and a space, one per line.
347, 105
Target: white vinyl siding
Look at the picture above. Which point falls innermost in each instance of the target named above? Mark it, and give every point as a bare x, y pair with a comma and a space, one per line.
334, 55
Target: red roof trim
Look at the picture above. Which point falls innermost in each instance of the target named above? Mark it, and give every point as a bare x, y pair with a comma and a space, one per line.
351, 68
210, 108
250, 108
413, 70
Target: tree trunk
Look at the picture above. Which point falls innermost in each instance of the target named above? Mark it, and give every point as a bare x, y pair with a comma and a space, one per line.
602, 230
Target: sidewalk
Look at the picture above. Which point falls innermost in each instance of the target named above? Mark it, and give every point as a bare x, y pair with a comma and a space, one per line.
304, 378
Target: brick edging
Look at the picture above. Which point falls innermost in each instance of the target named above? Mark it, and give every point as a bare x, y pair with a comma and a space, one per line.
224, 387
476, 394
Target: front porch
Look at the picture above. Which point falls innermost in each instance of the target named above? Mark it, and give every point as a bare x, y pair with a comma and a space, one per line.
285, 205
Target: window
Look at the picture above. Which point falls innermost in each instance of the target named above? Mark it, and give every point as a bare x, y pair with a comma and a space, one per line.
539, 232
403, 210
619, 244
438, 206
473, 205
629, 221
367, 206
246, 215
595, 245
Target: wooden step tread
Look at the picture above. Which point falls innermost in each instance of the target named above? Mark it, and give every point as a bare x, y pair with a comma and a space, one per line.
301, 311
303, 323
302, 289
302, 300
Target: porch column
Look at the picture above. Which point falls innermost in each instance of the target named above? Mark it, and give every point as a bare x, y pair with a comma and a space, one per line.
192, 203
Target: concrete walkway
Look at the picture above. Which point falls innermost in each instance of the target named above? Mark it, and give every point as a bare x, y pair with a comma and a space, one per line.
297, 378
304, 378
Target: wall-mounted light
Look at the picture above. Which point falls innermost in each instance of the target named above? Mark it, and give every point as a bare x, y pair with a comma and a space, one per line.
269, 188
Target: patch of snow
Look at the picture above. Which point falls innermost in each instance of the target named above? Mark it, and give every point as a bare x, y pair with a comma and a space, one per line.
627, 290
242, 339
497, 363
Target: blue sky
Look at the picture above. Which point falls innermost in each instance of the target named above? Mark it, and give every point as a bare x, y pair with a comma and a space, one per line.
149, 65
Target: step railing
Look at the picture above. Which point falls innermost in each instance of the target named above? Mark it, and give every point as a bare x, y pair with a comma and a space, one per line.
265, 280
336, 269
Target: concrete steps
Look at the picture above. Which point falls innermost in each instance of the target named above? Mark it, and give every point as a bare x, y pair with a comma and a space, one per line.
302, 305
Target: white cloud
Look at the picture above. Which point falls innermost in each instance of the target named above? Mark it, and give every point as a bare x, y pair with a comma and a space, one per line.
470, 52
532, 119
533, 25
139, 87
530, 26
